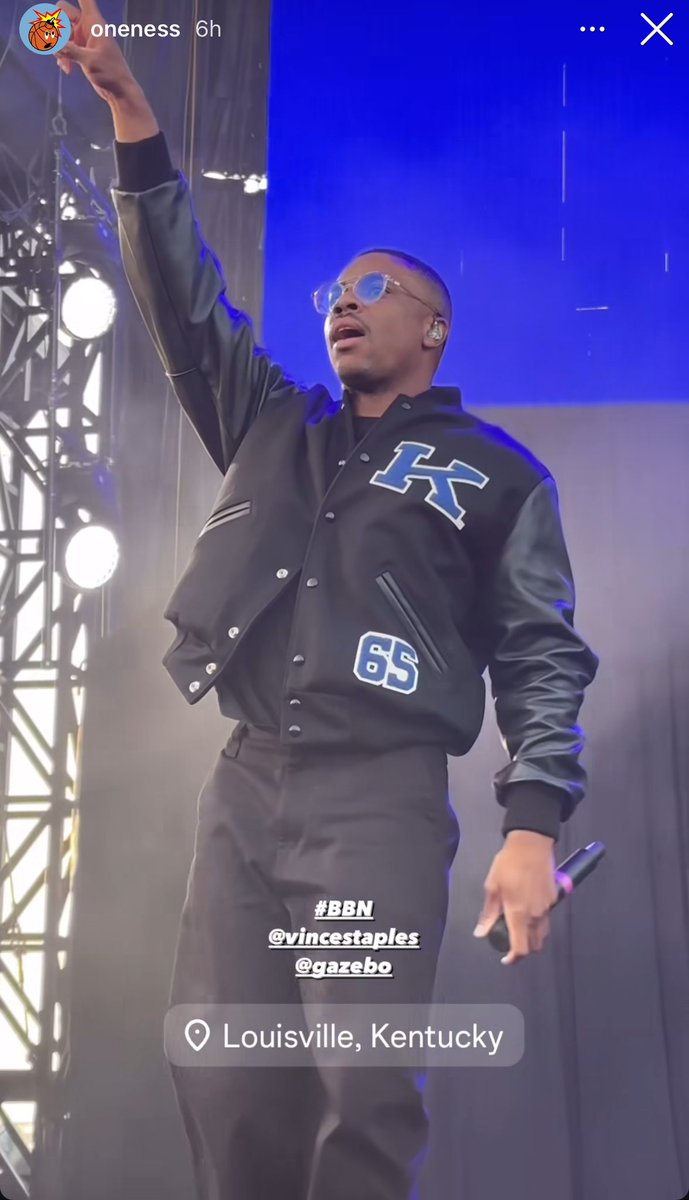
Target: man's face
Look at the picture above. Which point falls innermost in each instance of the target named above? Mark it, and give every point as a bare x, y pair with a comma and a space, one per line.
394, 327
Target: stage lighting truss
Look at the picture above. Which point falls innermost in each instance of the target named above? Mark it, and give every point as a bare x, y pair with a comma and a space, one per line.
55, 414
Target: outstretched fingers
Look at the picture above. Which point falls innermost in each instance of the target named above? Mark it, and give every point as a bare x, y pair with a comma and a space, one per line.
72, 53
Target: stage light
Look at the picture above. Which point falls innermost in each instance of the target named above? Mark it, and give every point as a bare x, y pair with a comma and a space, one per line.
91, 556
255, 183
68, 208
90, 272
251, 183
88, 545
89, 307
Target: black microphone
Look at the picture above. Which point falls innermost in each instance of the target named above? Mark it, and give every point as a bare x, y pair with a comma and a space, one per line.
569, 875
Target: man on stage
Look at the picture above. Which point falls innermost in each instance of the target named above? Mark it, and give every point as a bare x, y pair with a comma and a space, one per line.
366, 559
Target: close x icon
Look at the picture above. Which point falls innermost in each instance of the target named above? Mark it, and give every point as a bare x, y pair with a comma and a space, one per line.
657, 29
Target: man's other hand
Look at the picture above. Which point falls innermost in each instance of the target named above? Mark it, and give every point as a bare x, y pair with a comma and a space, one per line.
521, 883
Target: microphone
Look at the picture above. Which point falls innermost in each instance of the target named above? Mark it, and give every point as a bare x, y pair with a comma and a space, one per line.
569, 875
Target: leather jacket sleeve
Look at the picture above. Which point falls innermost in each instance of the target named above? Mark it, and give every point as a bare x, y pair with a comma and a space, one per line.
220, 376
144, 164
539, 667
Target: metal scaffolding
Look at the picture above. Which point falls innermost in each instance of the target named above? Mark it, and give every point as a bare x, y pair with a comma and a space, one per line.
55, 411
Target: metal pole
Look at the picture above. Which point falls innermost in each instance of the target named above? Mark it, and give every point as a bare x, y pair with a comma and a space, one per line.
59, 129
43, 1182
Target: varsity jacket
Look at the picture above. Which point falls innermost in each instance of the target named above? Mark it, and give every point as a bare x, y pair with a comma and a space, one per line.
434, 555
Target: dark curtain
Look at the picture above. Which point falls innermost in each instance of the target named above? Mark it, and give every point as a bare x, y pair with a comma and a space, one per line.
599, 1104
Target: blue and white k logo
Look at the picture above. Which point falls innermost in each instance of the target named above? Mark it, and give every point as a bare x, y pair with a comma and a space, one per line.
408, 465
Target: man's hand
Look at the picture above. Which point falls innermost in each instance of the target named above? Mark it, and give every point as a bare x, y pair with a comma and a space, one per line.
100, 58
104, 65
521, 883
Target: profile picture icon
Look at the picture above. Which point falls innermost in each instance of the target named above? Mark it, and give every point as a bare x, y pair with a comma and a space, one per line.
45, 30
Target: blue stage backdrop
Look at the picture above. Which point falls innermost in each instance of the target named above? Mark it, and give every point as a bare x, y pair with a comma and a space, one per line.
541, 169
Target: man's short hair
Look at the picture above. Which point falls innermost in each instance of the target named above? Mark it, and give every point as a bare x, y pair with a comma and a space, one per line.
442, 295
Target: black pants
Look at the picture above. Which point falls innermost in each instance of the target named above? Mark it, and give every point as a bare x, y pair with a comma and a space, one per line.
280, 828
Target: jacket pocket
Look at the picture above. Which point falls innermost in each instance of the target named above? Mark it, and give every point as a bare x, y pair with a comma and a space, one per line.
229, 512
408, 614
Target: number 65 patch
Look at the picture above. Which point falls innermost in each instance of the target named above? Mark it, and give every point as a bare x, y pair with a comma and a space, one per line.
387, 662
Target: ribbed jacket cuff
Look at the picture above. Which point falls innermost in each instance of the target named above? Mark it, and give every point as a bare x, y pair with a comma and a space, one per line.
535, 806
143, 165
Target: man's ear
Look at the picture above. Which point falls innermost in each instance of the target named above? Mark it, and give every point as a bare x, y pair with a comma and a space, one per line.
436, 334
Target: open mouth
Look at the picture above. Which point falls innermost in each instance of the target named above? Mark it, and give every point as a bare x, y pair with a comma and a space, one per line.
348, 338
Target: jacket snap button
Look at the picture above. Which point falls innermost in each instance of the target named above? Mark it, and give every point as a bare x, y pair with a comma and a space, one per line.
312, 582
365, 457
406, 404
295, 730
330, 516
342, 462
282, 572
194, 687
298, 658
294, 703
233, 631
211, 667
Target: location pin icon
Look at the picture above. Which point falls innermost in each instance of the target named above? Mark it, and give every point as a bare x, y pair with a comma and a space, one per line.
197, 1033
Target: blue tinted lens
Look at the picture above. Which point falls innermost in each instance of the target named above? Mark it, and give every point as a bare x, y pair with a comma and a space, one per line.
326, 296
370, 287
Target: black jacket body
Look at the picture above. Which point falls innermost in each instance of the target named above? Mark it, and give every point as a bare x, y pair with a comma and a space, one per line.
434, 553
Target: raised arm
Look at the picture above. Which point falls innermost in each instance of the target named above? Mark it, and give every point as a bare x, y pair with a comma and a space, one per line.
208, 350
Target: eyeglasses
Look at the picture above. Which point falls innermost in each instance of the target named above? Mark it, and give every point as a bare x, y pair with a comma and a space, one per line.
368, 288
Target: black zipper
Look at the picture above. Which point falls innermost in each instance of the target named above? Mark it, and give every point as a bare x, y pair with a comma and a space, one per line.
227, 513
405, 609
